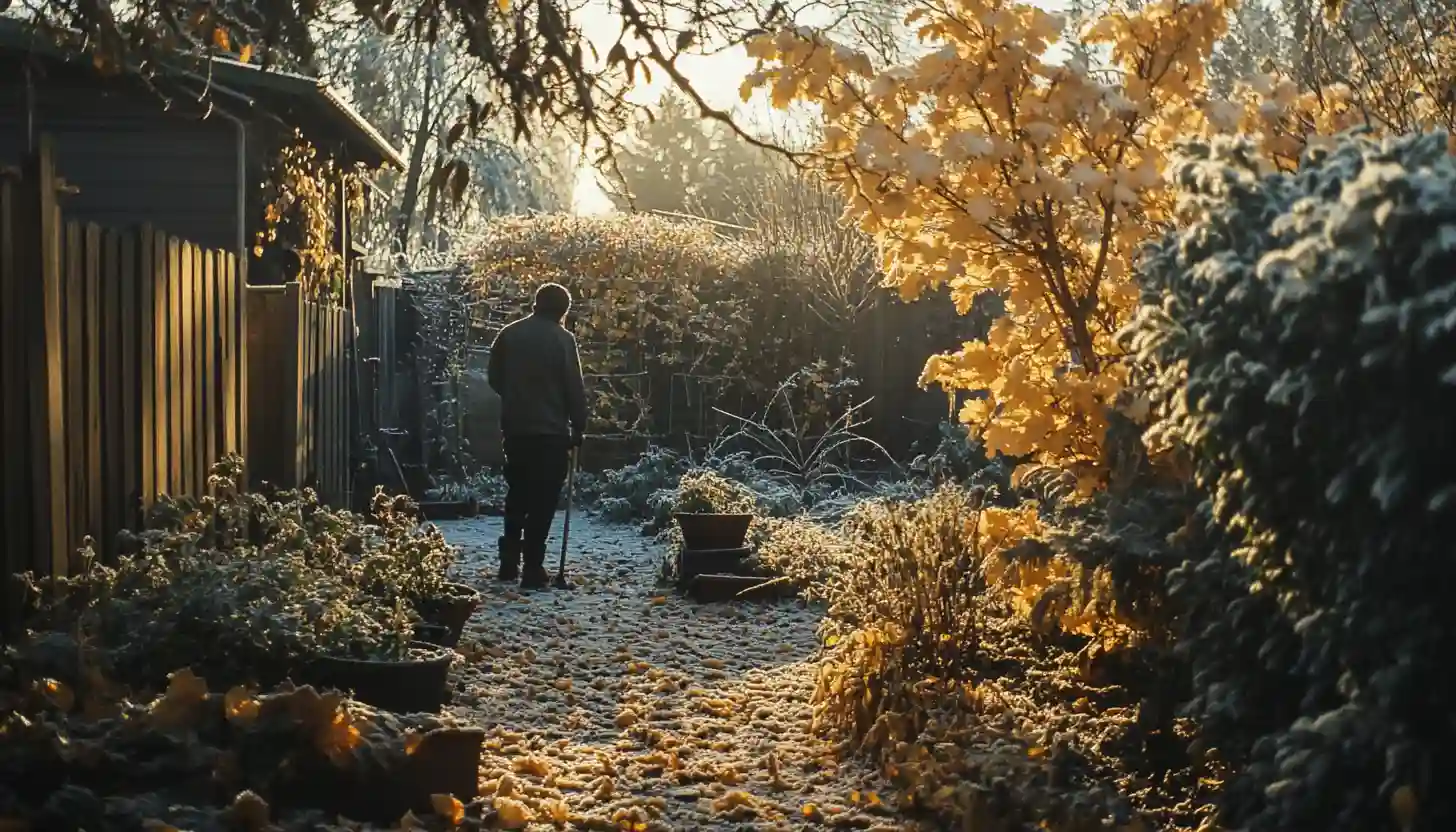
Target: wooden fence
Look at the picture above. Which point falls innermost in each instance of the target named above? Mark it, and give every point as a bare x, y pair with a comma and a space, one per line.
121, 360
302, 378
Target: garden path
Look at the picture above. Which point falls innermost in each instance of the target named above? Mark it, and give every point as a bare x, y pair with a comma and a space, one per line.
620, 706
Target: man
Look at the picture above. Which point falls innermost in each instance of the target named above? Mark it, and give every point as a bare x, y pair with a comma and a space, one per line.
536, 370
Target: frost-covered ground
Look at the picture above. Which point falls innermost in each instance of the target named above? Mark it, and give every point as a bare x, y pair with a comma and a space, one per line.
617, 705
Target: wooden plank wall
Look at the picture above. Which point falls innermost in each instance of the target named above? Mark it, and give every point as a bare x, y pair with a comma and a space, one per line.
299, 363
152, 365
121, 357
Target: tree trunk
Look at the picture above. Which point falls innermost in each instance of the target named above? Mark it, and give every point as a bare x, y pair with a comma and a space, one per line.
404, 224
432, 206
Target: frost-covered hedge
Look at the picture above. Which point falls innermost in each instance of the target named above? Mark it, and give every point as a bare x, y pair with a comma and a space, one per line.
1299, 333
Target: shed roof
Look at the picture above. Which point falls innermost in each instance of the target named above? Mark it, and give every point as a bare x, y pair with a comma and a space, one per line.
299, 100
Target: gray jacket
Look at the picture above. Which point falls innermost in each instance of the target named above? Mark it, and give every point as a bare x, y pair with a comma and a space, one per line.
536, 370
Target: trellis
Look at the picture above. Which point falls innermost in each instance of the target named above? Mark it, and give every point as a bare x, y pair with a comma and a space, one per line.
680, 406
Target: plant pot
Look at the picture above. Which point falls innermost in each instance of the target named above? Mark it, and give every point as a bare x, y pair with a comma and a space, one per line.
694, 562
712, 588
449, 509
436, 634
451, 611
417, 684
713, 531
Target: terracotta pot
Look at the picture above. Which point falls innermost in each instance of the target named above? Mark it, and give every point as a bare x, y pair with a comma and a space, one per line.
713, 531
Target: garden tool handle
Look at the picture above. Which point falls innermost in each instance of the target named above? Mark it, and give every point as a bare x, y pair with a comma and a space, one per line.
566, 521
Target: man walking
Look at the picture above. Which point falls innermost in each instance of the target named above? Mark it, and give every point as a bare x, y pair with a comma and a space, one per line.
536, 370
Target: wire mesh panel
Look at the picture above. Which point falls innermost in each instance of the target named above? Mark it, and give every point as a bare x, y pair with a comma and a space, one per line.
698, 401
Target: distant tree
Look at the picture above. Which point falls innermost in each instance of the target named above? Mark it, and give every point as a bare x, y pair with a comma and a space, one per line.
675, 161
410, 90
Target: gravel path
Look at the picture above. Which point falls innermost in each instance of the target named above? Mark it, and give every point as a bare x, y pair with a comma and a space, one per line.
618, 706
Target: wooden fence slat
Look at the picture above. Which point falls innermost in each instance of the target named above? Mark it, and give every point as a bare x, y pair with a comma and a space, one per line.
295, 333
228, 316
326, 401
176, 389
238, 270
95, 498
132, 341
207, 358
15, 328
114, 438
336, 378
74, 315
200, 398
310, 388
344, 417
46, 364
342, 429
154, 352
182, 372
215, 359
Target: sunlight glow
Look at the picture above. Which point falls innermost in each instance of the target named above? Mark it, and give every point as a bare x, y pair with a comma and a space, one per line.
717, 78
588, 198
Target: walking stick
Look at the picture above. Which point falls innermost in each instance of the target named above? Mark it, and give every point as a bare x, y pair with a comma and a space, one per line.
560, 582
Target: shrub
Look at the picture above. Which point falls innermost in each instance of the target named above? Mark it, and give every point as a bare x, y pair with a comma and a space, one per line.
1299, 336
906, 606
655, 299
242, 587
708, 492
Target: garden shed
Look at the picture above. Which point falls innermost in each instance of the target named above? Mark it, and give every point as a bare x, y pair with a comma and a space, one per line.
147, 273
184, 147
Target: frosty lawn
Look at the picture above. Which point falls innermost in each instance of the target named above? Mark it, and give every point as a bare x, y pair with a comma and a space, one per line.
617, 703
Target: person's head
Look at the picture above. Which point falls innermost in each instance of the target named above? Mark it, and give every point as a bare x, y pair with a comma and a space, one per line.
552, 300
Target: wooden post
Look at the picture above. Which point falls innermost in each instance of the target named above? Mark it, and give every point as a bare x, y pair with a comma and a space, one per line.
16, 496
40, 247
293, 426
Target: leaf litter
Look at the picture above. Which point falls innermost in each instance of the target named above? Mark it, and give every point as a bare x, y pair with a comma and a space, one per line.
616, 706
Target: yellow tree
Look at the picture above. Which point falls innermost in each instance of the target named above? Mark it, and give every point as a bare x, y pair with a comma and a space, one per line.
987, 165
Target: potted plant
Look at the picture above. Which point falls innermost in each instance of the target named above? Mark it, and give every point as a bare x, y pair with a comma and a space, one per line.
249, 589
407, 677
712, 512
411, 563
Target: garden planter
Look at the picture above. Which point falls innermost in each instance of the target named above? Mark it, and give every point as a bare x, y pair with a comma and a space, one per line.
713, 531
449, 509
711, 588
451, 611
436, 634
417, 684
447, 761
694, 562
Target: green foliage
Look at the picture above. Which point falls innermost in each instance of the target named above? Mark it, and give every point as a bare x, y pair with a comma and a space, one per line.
1299, 336
708, 492
403, 559
243, 588
956, 456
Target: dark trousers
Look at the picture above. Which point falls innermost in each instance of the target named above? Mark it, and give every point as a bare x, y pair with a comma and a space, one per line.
536, 470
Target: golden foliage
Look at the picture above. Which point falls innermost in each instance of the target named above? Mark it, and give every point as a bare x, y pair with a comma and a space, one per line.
985, 166
304, 207
905, 612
